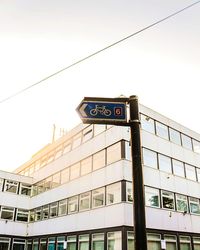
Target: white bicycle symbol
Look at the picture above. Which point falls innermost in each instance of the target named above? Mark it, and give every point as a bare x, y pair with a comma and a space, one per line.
100, 110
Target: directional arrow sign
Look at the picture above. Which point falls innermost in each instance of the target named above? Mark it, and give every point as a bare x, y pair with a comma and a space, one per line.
103, 110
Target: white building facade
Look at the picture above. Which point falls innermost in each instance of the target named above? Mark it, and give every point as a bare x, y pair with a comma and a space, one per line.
76, 193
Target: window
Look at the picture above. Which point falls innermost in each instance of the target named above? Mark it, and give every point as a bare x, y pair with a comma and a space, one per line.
35, 244
7, 213
25, 189
22, 215
1, 184
98, 197
147, 124
38, 214
51, 243
153, 241
129, 191
150, 158
11, 186
190, 172
53, 209
168, 200
164, 163
73, 204
178, 168
18, 244
48, 183
99, 160
43, 244
62, 207
4, 243
75, 171
152, 197
40, 187
114, 153
128, 151
32, 215
45, 212
67, 147
76, 140
83, 243
86, 166
99, 128
196, 146
171, 242
196, 243
186, 141
71, 243
98, 241
114, 241
130, 239
56, 180
175, 136
181, 203
60, 242
84, 201
113, 193
194, 205
162, 130
87, 133
64, 175
185, 243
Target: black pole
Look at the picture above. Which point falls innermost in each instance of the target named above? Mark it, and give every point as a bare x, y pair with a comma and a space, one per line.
137, 173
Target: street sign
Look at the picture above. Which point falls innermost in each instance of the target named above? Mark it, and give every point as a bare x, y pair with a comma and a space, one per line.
103, 110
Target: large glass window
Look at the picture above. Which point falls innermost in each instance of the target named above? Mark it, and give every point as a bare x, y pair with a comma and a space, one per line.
190, 172
83, 242
4, 243
162, 130
114, 241
113, 193
152, 197
171, 242
18, 244
45, 212
196, 243
130, 241
98, 241
98, 197
168, 200
87, 133
60, 243
147, 124
185, 243
75, 171
150, 158
165, 163
178, 168
181, 203
11, 186
186, 141
175, 136
25, 189
99, 159
196, 146
51, 243
153, 242
194, 205
53, 209
65, 175
22, 215
114, 153
62, 207
86, 165
129, 191
7, 213
73, 205
71, 243
84, 201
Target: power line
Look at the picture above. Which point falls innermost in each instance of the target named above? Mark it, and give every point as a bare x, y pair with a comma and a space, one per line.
99, 51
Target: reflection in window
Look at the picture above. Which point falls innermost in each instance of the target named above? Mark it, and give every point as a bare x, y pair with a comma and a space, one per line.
190, 172
194, 205
181, 203
152, 197
175, 136
147, 124
150, 158
114, 241
186, 141
98, 241
98, 197
162, 130
114, 153
164, 163
178, 168
73, 204
168, 200
113, 193
7, 213
99, 159
84, 201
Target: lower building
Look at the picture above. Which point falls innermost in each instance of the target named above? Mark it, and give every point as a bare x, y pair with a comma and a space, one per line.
76, 193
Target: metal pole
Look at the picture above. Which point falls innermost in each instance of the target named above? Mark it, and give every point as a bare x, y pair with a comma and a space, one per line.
137, 173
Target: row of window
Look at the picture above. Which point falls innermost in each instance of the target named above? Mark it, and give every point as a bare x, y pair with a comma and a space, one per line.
15, 187
170, 165
169, 200
169, 133
10, 213
96, 161
72, 143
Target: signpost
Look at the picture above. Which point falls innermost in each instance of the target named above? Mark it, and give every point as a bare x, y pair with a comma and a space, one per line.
114, 111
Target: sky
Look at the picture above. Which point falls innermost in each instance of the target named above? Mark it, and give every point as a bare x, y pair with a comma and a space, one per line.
160, 65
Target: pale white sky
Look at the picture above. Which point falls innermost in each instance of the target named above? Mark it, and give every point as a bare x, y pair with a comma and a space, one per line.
37, 38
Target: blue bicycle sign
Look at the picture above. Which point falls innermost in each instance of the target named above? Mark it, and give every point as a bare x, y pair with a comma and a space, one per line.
100, 110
